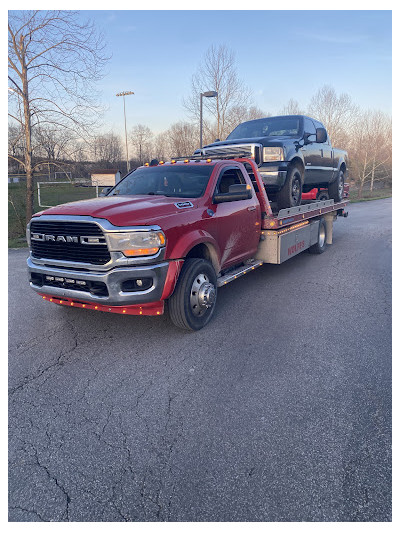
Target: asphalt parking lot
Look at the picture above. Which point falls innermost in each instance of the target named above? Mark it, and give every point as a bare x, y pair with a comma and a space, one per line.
279, 410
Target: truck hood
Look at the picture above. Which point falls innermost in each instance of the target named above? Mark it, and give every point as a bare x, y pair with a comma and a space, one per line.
123, 210
265, 141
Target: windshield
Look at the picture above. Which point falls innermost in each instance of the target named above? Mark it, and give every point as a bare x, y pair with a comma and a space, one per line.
268, 127
173, 180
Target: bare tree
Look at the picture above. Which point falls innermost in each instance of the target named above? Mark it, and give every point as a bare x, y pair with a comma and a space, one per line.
241, 113
107, 148
183, 139
336, 112
141, 137
54, 62
217, 72
371, 149
51, 143
292, 108
160, 147
15, 143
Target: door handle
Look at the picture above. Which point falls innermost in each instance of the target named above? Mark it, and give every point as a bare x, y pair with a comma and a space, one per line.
251, 208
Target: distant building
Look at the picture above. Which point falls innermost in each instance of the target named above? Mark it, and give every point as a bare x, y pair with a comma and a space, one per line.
106, 177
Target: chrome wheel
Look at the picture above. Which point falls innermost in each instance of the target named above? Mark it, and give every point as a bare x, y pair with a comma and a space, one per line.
296, 190
341, 185
322, 235
202, 295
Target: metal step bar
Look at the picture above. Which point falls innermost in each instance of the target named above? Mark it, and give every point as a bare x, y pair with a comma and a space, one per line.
240, 271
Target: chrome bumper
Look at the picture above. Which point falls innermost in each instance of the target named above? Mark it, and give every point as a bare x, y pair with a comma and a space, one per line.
113, 280
275, 178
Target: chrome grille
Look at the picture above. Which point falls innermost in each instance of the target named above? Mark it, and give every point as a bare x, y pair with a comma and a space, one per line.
243, 150
95, 254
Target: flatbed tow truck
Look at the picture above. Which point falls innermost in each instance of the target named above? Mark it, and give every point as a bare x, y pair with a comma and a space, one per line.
174, 232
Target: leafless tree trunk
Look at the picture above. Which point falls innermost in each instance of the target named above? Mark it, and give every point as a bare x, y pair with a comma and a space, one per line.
141, 139
54, 62
217, 72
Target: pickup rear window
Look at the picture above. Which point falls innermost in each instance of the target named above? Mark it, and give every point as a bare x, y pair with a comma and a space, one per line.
267, 127
188, 181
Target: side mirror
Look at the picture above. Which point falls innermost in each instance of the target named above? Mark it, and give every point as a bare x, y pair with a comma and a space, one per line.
239, 191
105, 191
321, 135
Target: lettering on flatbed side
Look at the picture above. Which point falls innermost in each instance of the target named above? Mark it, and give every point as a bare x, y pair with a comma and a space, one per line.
296, 248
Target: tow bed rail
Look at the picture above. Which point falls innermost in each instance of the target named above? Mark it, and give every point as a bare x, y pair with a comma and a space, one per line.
287, 217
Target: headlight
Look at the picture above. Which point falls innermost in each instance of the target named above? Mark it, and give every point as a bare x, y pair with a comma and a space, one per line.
136, 243
273, 153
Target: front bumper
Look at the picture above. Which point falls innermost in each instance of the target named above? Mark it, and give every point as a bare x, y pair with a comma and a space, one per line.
112, 280
273, 176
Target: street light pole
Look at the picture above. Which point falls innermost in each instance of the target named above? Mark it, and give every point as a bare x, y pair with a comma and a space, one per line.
207, 94
123, 94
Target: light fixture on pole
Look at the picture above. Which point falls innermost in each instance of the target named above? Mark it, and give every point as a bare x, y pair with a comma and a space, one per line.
126, 93
207, 94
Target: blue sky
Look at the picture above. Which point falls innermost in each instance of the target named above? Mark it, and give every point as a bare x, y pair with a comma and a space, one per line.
279, 55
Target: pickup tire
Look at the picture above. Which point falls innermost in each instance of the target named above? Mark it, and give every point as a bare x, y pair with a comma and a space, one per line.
320, 246
336, 189
192, 303
290, 194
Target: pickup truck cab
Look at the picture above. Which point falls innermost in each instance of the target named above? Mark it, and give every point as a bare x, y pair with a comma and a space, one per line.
293, 154
172, 232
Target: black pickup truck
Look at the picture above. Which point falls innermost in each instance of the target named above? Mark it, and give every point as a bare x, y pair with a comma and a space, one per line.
293, 153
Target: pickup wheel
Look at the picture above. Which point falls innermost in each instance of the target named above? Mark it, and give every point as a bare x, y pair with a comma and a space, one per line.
290, 194
192, 303
320, 246
336, 189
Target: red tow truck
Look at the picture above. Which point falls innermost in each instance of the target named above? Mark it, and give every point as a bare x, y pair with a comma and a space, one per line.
170, 233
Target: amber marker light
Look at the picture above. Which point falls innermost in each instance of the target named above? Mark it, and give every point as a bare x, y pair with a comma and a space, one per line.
161, 163
186, 161
146, 164
140, 251
173, 161
208, 160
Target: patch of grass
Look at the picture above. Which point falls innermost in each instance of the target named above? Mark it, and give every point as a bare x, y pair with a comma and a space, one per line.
17, 243
50, 195
376, 194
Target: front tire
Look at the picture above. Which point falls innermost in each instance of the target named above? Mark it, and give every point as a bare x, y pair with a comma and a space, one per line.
336, 189
290, 194
192, 303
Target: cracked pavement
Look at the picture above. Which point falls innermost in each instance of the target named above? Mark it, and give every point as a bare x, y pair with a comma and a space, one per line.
279, 410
